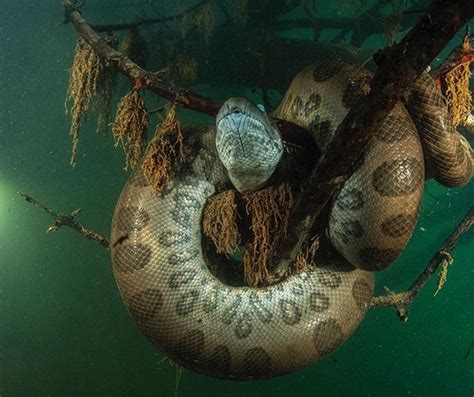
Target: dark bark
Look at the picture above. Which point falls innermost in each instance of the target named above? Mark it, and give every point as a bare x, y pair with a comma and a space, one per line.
398, 67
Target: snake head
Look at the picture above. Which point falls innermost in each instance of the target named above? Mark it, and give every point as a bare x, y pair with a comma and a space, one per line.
247, 143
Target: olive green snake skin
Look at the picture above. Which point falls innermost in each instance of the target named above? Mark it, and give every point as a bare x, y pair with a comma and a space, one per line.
250, 333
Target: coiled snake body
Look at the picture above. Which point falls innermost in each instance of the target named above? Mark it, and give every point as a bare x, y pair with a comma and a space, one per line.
248, 333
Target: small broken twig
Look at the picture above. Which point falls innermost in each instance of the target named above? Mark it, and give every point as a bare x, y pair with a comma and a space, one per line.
401, 301
67, 220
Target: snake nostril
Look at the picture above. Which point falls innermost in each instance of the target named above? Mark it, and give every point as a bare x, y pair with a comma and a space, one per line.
235, 110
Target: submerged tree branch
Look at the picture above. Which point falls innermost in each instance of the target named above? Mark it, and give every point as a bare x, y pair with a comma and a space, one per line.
68, 220
148, 21
401, 301
399, 66
151, 81
145, 79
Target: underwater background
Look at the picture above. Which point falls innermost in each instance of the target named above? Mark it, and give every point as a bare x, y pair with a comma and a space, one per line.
63, 328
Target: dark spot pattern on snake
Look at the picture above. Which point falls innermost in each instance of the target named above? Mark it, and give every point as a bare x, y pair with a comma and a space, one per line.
132, 219
257, 362
182, 257
350, 199
232, 310
190, 346
243, 327
319, 302
374, 258
263, 313
352, 228
297, 289
398, 177
170, 238
181, 278
181, 216
211, 300
362, 294
329, 278
129, 258
187, 302
327, 335
322, 130
325, 70
398, 225
145, 305
219, 361
290, 312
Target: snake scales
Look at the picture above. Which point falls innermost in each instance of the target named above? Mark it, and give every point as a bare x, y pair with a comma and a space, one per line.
248, 333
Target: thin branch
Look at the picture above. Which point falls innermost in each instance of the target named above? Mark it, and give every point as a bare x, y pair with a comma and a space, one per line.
399, 66
401, 301
148, 21
68, 220
143, 78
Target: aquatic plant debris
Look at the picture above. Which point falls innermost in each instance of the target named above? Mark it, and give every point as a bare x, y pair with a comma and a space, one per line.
130, 127
164, 152
268, 209
443, 270
85, 75
220, 222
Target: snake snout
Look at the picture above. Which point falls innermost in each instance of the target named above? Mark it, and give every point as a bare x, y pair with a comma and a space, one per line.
247, 143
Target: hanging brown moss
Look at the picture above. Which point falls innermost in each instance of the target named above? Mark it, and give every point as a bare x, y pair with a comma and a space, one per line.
204, 19
269, 209
135, 47
220, 222
164, 152
306, 256
106, 90
130, 127
85, 75
185, 68
458, 94
455, 83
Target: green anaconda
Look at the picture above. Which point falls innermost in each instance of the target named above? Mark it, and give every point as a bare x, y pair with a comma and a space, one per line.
248, 333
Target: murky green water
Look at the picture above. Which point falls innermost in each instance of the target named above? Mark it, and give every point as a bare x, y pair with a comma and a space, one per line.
63, 328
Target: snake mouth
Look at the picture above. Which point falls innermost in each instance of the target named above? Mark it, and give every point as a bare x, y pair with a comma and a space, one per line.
237, 109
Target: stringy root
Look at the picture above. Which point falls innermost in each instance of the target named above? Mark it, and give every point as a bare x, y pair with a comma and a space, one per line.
458, 94
306, 256
164, 152
84, 76
184, 68
130, 127
220, 222
269, 209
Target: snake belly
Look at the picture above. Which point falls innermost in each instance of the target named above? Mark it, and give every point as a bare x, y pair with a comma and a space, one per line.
197, 321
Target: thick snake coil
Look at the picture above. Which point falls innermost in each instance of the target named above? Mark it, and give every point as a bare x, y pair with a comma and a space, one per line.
248, 333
